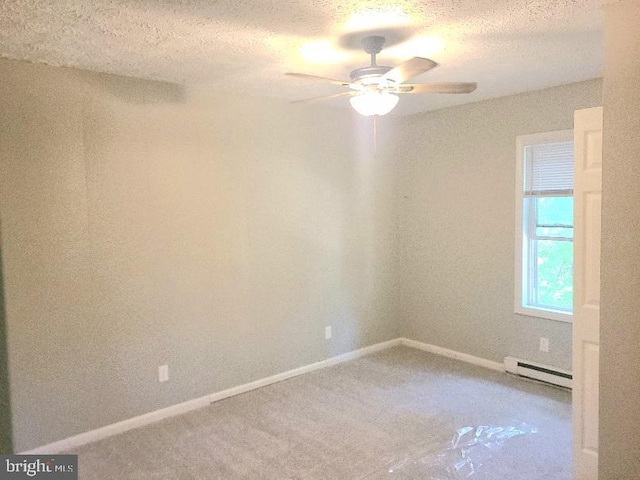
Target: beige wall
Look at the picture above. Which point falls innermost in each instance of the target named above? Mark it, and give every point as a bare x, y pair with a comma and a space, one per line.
456, 214
143, 225
620, 288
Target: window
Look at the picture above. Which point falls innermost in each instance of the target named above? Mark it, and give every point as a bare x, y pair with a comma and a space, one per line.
544, 226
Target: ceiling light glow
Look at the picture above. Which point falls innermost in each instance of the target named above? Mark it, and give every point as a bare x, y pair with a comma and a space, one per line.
374, 102
422, 46
322, 52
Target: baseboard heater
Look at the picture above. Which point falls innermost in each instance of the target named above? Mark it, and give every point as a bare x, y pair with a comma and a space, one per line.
538, 371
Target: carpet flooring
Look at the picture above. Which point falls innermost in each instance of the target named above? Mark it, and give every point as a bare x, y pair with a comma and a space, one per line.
400, 413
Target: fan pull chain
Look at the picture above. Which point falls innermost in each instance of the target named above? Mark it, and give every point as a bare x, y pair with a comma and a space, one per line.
375, 135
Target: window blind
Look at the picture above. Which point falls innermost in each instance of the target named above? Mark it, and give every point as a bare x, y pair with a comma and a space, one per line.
548, 169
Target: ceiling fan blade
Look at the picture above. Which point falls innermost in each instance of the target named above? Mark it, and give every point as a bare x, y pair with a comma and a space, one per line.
319, 79
437, 88
325, 97
409, 69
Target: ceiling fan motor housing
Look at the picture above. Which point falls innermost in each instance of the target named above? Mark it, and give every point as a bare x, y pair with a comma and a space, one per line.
366, 75
361, 75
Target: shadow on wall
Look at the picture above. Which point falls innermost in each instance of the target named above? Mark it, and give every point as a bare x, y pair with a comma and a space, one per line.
133, 90
6, 445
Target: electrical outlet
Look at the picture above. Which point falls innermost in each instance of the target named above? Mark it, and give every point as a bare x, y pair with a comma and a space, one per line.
327, 332
544, 344
163, 373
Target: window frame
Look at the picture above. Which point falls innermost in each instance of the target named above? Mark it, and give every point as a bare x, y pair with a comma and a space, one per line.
521, 247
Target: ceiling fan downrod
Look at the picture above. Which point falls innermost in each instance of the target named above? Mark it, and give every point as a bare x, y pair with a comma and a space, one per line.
373, 46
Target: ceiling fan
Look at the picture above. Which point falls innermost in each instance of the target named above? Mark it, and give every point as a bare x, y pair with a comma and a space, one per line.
374, 89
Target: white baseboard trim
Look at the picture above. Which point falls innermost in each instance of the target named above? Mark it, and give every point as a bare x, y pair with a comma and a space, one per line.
69, 444
445, 352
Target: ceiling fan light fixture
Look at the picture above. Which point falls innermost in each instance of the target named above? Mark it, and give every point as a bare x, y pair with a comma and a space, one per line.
372, 86
374, 103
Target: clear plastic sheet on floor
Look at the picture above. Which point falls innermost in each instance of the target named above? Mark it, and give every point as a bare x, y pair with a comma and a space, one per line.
469, 450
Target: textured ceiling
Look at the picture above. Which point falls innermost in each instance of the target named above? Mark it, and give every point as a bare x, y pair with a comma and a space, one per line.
507, 46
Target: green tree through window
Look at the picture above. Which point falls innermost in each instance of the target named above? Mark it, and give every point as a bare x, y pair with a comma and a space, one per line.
553, 247
544, 284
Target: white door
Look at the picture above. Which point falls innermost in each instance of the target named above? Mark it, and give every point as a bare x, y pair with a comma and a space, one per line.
586, 309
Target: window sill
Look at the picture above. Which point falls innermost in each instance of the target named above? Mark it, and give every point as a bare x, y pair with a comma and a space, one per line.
546, 314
